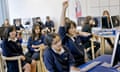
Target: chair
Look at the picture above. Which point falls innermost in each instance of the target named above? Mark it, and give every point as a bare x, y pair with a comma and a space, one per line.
1, 64
40, 63
14, 58
92, 49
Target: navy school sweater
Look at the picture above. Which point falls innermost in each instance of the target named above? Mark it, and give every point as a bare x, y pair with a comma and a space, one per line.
58, 63
34, 42
75, 47
11, 48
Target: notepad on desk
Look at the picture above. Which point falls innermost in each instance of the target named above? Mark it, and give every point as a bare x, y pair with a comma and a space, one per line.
90, 66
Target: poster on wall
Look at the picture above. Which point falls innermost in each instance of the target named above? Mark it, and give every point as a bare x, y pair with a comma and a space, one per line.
78, 9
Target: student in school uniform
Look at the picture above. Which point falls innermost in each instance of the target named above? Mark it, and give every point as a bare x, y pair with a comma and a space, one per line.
87, 27
18, 25
109, 26
71, 38
38, 20
6, 23
35, 42
19, 28
57, 58
49, 24
11, 47
19, 37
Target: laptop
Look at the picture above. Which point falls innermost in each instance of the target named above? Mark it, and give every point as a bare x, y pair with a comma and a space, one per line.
115, 21
115, 55
105, 24
80, 21
114, 60
97, 21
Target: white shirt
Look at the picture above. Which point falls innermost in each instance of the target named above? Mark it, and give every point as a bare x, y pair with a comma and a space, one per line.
9, 39
61, 51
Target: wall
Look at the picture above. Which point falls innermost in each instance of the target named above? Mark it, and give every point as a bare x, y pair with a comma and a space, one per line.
96, 7
42, 8
3, 11
33, 8
71, 9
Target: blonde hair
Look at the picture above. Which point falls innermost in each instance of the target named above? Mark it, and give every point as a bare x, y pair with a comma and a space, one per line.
108, 14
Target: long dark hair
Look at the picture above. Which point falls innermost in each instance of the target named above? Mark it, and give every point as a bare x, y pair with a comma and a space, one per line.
7, 30
108, 17
33, 31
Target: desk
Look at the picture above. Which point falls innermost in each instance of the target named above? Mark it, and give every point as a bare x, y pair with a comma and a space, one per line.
103, 33
102, 43
104, 58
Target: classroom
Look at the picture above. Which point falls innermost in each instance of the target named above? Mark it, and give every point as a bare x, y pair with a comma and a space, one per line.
59, 35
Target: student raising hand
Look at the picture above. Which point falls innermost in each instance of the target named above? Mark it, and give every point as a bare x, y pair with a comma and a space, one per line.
65, 6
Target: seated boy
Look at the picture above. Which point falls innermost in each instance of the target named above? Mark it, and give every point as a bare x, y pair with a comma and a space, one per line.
57, 58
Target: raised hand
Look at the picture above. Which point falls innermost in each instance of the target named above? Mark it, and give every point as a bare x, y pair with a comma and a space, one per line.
62, 20
65, 4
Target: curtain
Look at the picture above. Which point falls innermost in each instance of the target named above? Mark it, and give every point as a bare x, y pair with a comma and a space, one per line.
3, 11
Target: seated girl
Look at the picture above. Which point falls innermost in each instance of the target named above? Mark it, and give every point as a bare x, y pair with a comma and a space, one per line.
11, 47
71, 38
87, 27
35, 42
